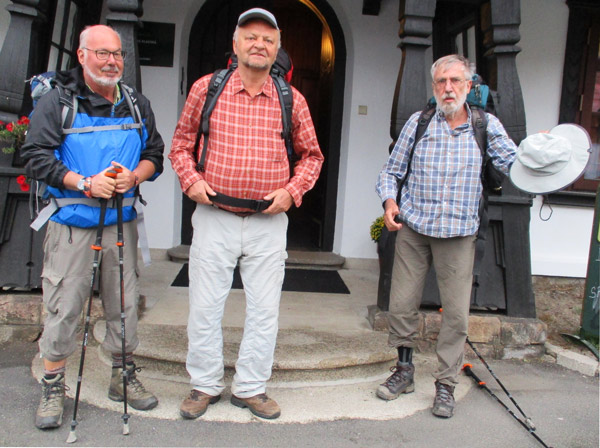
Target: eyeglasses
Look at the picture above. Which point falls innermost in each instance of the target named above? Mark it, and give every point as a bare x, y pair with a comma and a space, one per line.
103, 55
454, 81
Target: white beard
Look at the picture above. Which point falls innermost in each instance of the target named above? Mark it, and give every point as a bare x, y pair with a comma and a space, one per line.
450, 110
102, 80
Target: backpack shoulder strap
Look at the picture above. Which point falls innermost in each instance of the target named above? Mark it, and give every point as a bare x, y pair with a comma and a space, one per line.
131, 99
215, 88
69, 102
479, 121
284, 91
422, 124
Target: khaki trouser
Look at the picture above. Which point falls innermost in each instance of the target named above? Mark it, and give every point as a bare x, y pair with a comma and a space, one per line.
66, 279
453, 262
221, 241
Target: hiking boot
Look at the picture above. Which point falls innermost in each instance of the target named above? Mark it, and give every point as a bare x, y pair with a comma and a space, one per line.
137, 395
443, 404
260, 405
196, 404
50, 411
401, 382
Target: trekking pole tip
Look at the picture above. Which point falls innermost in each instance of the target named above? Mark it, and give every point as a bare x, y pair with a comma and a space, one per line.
125, 418
72, 437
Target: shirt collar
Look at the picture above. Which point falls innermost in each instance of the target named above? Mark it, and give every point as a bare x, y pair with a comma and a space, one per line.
442, 117
117, 94
237, 86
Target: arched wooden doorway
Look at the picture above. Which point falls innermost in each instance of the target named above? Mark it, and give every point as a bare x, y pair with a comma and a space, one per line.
312, 36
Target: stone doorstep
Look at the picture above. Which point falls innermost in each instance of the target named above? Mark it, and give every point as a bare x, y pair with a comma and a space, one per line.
301, 355
494, 336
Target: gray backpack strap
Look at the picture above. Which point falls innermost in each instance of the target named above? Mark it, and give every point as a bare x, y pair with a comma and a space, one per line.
133, 107
109, 127
56, 203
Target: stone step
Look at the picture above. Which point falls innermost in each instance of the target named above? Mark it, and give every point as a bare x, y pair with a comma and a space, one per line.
298, 404
296, 258
301, 356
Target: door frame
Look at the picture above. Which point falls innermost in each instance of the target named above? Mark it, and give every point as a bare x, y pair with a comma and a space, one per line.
332, 163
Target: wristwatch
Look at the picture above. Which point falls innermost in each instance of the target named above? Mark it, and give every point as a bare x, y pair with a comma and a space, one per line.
83, 184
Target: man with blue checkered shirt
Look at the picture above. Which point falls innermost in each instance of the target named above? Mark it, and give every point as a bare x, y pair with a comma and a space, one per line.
437, 222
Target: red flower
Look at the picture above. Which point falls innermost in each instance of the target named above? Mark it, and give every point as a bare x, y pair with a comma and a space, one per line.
9, 127
21, 179
23, 120
25, 187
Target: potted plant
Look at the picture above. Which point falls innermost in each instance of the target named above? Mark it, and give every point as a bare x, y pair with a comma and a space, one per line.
12, 137
376, 228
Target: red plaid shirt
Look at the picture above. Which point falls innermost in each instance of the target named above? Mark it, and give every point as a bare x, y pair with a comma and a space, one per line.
246, 155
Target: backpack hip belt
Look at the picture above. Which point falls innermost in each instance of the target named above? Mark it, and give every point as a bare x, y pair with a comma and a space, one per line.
256, 205
136, 202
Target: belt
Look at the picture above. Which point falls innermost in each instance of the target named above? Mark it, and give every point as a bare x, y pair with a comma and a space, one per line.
256, 205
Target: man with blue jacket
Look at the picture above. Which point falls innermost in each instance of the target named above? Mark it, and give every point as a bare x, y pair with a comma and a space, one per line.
73, 161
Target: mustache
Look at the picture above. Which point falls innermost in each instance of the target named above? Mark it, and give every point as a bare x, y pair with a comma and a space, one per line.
109, 69
449, 95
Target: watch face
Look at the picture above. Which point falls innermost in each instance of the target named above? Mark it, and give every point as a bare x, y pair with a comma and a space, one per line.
81, 184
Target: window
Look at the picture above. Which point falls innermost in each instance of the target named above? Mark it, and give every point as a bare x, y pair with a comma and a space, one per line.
580, 100
70, 18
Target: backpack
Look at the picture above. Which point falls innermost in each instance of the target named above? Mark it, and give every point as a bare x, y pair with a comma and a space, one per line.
281, 73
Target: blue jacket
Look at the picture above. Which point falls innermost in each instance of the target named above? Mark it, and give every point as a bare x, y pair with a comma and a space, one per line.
50, 154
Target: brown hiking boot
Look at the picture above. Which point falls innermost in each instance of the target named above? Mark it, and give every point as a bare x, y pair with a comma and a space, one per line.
400, 382
196, 404
260, 405
50, 411
137, 395
443, 404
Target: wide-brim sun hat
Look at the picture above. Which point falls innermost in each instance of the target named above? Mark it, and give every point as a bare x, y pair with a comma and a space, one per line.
549, 162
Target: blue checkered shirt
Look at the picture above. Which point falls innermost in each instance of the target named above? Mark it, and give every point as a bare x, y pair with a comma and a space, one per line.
441, 195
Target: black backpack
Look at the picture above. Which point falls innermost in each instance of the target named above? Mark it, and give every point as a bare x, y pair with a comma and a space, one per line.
280, 73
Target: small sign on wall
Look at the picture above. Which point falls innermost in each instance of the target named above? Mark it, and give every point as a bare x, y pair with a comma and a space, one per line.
156, 43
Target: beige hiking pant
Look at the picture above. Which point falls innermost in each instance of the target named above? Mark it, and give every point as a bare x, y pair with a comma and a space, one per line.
452, 259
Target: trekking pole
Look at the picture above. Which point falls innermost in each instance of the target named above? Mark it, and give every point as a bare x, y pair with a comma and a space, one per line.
527, 421
97, 247
120, 244
469, 372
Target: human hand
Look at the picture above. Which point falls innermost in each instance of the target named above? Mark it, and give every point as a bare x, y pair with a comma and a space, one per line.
102, 185
125, 179
282, 201
390, 215
200, 192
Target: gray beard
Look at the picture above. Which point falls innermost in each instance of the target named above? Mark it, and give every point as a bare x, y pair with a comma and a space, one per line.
100, 80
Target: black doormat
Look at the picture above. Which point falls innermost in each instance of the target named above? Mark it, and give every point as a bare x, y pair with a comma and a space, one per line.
301, 280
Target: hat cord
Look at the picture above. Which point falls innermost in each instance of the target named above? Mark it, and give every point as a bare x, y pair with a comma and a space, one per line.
546, 200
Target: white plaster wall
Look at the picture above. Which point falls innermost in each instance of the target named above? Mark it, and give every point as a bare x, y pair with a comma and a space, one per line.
162, 86
373, 60
559, 246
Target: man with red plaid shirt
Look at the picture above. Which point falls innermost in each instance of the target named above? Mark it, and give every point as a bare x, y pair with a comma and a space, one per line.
247, 164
